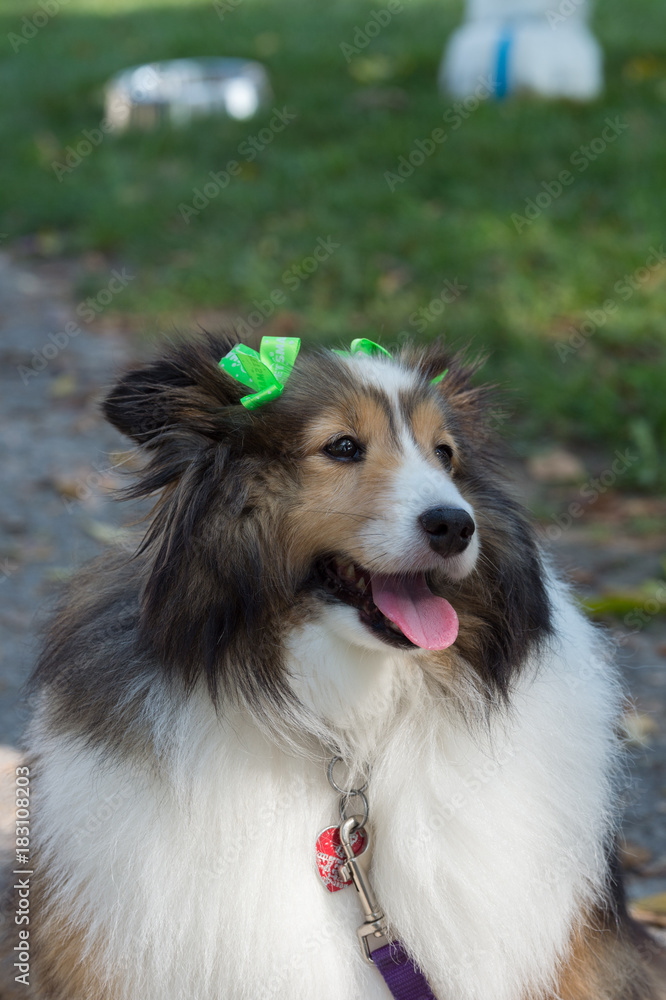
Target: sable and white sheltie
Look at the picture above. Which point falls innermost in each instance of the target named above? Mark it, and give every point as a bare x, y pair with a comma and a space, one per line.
340, 571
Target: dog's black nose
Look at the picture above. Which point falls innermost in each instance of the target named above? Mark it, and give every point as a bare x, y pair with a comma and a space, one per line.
449, 529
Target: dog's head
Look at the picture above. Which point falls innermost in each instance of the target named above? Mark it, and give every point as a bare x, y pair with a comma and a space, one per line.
366, 496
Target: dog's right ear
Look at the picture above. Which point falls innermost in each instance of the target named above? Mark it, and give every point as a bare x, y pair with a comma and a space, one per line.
183, 393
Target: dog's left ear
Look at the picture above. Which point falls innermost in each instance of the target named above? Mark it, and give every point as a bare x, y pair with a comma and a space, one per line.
213, 579
452, 373
475, 409
216, 589
183, 392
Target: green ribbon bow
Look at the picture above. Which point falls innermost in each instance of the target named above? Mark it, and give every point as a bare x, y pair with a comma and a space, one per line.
265, 371
363, 346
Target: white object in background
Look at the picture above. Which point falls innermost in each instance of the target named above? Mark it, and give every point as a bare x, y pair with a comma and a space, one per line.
181, 90
543, 47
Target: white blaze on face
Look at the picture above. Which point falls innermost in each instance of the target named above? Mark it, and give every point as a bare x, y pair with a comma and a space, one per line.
394, 540
396, 535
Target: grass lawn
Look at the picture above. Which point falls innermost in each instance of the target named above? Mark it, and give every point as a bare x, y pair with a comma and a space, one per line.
569, 303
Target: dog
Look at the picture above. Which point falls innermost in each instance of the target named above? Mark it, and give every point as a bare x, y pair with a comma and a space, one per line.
341, 571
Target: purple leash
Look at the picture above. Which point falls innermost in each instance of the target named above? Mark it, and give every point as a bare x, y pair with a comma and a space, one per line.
402, 977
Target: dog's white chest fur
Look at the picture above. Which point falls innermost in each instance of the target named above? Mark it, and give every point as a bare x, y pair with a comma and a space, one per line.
488, 839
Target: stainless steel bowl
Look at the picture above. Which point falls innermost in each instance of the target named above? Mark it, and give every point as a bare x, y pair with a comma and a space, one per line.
183, 89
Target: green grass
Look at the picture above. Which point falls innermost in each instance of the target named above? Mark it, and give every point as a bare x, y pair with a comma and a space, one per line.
323, 176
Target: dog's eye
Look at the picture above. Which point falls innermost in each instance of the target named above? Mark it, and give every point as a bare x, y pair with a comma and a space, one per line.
344, 448
445, 455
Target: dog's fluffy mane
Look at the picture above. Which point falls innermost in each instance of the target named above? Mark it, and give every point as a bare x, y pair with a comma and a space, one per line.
219, 565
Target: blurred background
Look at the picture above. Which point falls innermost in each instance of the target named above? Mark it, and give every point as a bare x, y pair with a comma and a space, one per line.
357, 201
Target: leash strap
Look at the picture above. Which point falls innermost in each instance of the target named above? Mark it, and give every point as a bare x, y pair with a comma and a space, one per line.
352, 866
402, 977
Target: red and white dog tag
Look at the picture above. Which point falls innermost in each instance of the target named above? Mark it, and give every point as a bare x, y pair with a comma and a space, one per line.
331, 855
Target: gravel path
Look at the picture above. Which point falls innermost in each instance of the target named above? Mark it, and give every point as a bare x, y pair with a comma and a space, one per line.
58, 458
51, 440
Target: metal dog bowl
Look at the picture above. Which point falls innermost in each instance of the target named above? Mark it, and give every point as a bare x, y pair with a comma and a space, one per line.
183, 89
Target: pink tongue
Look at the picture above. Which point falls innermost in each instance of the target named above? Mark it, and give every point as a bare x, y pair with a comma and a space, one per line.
428, 621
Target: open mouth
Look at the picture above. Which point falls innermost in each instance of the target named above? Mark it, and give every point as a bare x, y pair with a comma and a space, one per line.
400, 610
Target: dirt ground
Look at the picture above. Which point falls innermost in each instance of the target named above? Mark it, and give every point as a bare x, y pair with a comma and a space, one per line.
58, 459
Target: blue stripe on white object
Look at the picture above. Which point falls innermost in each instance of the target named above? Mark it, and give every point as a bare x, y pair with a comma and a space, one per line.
499, 54
502, 66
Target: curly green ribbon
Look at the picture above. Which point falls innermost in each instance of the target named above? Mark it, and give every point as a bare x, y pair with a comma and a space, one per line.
265, 371
364, 346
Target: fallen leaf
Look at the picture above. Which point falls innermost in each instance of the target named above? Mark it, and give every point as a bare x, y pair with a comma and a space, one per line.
649, 597
633, 855
556, 466
651, 909
644, 67
63, 386
58, 574
67, 486
638, 728
371, 69
109, 534
267, 44
656, 868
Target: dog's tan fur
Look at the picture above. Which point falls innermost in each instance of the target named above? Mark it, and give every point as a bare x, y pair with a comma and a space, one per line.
612, 961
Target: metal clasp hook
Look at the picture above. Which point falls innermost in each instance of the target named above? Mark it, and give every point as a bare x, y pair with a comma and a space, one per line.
372, 933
